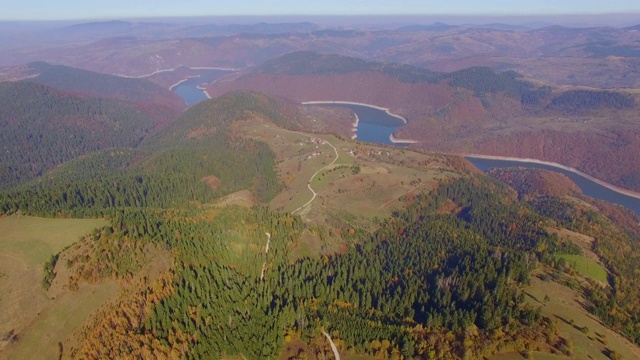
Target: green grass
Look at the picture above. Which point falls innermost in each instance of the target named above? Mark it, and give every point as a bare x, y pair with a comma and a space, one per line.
41, 322
33, 240
385, 175
565, 308
60, 320
585, 266
536, 355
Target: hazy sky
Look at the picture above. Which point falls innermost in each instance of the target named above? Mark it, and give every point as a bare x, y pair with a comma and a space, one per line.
108, 9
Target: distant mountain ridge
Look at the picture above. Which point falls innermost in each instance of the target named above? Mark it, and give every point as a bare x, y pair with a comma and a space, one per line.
556, 54
96, 84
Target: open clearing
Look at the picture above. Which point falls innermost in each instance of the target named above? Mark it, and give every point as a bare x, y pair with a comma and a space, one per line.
25, 244
586, 266
60, 320
240, 198
566, 306
366, 181
33, 240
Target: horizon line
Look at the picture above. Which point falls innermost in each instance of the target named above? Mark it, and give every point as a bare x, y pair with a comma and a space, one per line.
301, 15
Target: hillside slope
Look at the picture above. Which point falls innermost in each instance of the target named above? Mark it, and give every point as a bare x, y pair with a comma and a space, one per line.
475, 110
169, 170
447, 273
156, 100
44, 127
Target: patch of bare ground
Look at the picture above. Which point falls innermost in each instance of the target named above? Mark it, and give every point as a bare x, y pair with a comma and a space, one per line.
449, 207
212, 181
295, 348
239, 198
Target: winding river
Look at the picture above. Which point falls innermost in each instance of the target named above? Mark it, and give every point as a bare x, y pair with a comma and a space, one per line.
588, 186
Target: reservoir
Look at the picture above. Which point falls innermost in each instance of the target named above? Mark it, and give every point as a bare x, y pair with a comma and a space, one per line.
377, 125
188, 88
374, 125
587, 186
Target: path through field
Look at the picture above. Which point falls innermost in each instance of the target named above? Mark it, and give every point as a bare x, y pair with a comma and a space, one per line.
266, 252
314, 175
333, 346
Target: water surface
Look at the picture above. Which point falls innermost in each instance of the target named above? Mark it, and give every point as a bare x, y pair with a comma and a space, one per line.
375, 125
587, 186
188, 90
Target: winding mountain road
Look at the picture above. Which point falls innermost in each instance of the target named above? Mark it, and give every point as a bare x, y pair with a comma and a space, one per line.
314, 175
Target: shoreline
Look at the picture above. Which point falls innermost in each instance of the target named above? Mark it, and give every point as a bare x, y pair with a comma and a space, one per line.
355, 123
159, 71
396, 140
213, 68
355, 103
182, 81
204, 90
148, 75
603, 183
354, 129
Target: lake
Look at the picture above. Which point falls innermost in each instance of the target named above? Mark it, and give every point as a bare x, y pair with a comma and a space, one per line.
587, 186
375, 125
188, 89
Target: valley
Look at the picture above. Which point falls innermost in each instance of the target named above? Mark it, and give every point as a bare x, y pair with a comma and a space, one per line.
182, 189
474, 110
355, 186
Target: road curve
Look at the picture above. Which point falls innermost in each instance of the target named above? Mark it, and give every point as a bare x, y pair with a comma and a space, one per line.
314, 175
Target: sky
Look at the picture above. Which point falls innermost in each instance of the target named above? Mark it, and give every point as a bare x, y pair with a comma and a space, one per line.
121, 9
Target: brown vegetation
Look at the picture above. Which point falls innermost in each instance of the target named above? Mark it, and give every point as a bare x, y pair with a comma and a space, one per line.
212, 181
536, 182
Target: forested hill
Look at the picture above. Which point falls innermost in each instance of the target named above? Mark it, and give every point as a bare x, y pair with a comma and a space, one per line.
483, 81
93, 84
485, 110
43, 127
167, 171
479, 79
206, 119
312, 63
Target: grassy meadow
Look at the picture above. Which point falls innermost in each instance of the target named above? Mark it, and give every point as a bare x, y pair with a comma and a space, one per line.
33, 240
586, 266
29, 314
